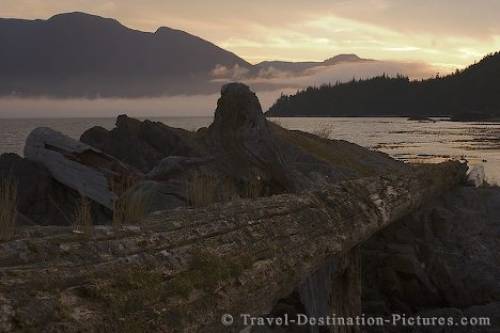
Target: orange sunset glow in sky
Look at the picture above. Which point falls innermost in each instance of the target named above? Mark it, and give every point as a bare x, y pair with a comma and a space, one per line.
446, 34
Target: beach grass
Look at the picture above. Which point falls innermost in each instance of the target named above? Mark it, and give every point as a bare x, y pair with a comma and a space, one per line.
324, 132
201, 190
127, 208
83, 221
8, 207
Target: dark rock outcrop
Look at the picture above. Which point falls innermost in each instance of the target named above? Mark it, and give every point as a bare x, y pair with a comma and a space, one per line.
245, 143
33, 184
142, 144
242, 142
443, 257
240, 151
78, 166
41, 199
240, 155
318, 161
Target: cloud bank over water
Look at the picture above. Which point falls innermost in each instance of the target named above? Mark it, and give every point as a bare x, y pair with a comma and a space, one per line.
268, 85
199, 105
168, 106
344, 72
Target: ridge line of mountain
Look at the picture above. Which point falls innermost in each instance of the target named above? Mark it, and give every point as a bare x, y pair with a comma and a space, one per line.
84, 55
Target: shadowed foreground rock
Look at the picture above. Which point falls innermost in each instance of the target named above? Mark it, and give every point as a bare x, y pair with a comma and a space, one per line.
442, 260
182, 269
42, 200
77, 165
142, 144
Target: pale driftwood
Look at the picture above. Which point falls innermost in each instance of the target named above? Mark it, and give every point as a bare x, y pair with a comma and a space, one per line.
138, 278
75, 164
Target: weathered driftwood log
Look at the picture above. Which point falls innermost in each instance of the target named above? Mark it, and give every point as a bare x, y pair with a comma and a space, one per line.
182, 269
77, 165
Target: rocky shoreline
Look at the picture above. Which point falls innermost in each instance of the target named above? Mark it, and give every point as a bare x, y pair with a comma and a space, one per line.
142, 200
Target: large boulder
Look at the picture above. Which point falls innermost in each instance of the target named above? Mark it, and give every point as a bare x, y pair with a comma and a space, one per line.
241, 151
33, 183
242, 142
442, 256
142, 144
317, 161
175, 165
248, 146
176, 180
78, 166
240, 155
40, 198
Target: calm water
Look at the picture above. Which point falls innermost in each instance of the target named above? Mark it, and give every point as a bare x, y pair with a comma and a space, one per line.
479, 143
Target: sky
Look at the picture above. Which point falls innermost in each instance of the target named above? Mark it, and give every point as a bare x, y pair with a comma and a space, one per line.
446, 34
418, 38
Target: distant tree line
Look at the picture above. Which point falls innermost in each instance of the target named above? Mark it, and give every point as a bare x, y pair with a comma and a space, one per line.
470, 93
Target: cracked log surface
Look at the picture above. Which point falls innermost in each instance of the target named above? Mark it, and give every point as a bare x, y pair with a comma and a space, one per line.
181, 269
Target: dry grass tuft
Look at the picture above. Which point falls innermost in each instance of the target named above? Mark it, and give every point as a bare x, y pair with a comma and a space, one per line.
254, 188
201, 190
324, 132
83, 222
127, 209
8, 212
229, 190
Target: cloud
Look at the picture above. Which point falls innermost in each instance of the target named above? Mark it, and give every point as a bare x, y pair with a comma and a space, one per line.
172, 106
234, 73
190, 106
269, 85
271, 78
463, 18
271, 72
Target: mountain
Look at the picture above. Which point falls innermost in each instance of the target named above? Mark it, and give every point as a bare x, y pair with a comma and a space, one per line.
83, 55
473, 93
78, 54
343, 58
298, 67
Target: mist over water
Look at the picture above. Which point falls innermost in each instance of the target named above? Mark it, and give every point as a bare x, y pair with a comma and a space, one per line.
168, 106
267, 87
103, 108
342, 72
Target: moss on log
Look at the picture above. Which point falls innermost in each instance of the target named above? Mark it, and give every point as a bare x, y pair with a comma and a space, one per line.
180, 270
